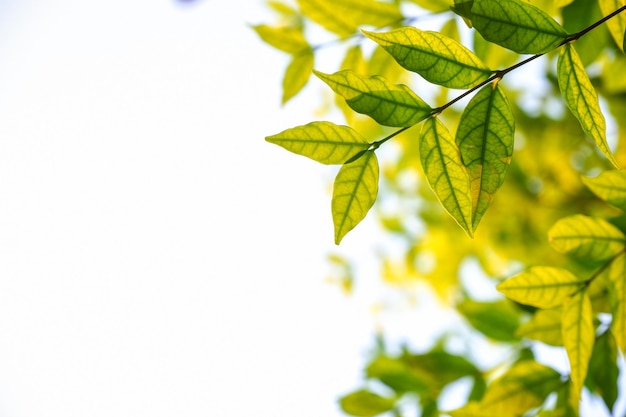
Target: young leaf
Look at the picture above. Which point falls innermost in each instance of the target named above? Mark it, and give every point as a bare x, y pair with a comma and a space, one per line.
287, 39
365, 403
435, 57
297, 74
323, 142
388, 104
445, 172
586, 237
497, 319
581, 98
346, 16
354, 193
516, 25
603, 369
541, 286
578, 336
616, 25
544, 326
616, 273
609, 186
485, 140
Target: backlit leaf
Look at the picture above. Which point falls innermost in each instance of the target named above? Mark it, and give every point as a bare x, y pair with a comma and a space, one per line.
586, 237
324, 142
516, 25
395, 373
354, 193
541, 286
485, 140
297, 74
497, 319
445, 172
581, 98
578, 336
609, 186
603, 370
616, 273
344, 17
285, 38
388, 104
435, 57
616, 25
365, 403
544, 326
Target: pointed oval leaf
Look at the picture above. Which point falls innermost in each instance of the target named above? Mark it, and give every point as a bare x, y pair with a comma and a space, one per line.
544, 326
516, 25
323, 142
485, 140
364, 403
578, 336
586, 238
541, 286
616, 25
616, 275
354, 193
496, 319
603, 369
287, 39
435, 57
388, 104
581, 98
297, 74
609, 186
346, 16
445, 172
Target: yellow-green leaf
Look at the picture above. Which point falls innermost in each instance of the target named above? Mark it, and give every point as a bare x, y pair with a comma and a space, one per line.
603, 369
388, 104
541, 286
485, 140
586, 237
435, 57
496, 319
581, 98
324, 142
516, 25
354, 193
285, 38
609, 186
297, 74
616, 25
445, 172
616, 274
365, 403
544, 326
578, 337
344, 17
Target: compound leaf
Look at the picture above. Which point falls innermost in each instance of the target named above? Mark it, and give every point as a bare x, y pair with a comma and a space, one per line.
435, 57
541, 286
581, 98
586, 237
516, 25
346, 16
323, 142
544, 326
297, 74
388, 104
578, 337
364, 403
609, 186
445, 172
485, 140
354, 193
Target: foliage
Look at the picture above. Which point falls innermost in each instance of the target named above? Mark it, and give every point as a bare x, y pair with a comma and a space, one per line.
543, 182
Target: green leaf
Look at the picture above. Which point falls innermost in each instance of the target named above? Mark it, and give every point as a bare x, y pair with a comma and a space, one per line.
440, 368
541, 286
323, 142
497, 319
285, 38
544, 326
297, 74
365, 403
616, 274
616, 25
396, 375
578, 337
346, 16
485, 140
445, 172
516, 25
603, 369
581, 98
354, 193
586, 238
388, 104
609, 186
435, 57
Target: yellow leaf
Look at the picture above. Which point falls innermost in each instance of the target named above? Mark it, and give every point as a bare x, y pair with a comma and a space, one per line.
616, 274
544, 326
297, 74
616, 25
